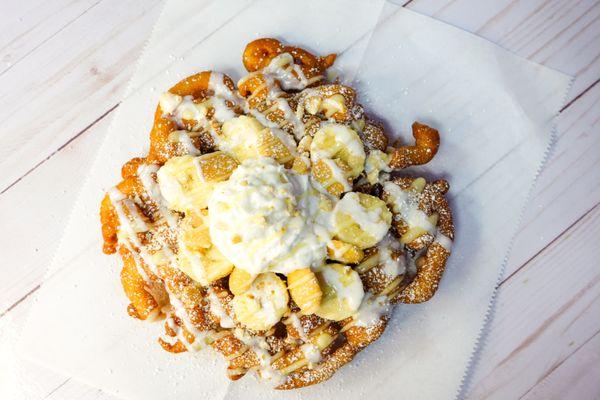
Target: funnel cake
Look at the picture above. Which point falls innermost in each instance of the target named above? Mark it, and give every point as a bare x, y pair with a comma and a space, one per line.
267, 220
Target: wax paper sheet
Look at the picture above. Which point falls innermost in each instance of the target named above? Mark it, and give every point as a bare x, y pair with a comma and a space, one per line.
493, 110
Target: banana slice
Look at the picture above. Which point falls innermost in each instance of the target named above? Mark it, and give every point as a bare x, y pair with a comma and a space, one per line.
239, 281
377, 162
263, 304
342, 291
339, 143
304, 289
361, 219
187, 182
194, 231
331, 174
197, 257
301, 165
344, 252
246, 138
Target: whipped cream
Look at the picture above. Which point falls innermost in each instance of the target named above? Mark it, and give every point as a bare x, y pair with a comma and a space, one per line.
267, 218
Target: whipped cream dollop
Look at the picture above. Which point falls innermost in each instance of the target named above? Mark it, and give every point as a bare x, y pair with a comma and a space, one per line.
267, 218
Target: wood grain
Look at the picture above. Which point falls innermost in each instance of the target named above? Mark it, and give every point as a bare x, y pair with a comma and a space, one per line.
44, 104
31, 247
574, 378
544, 313
569, 185
544, 341
560, 34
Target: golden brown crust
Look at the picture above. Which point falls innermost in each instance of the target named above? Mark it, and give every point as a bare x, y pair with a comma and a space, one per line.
259, 53
427, 142
429, 274
161, 148
163, 291
430, 266
143, 303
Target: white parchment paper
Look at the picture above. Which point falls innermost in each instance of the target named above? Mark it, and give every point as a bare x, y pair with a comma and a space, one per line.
494, 112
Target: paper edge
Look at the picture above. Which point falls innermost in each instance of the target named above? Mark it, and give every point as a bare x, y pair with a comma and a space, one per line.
485, 330
489, 41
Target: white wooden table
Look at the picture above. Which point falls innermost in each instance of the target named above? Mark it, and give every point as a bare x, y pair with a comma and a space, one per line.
64, 65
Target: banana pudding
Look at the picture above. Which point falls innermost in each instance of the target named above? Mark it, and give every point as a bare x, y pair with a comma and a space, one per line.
269, 220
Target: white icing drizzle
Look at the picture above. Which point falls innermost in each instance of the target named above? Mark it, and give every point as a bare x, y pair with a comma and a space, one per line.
217, 84
391, 267
310, 351
222, 112
443, 241
274, 94
289, 74
260, 347
146, 174
218, 310
370, 221
295, 321
200, 337
406, 204
180, 108
180, 335
169, 102
130, 230
337, 173
371, 310
184, 139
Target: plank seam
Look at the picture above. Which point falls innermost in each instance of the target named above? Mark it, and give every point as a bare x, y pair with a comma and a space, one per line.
49, 37
556, 238
557, 365
61, 147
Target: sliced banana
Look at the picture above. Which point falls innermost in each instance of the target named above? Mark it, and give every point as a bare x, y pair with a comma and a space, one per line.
342, 291
377, 162
194, 231
187, 182
263, 304
215, 167
331, 175
304, 289
339, 142
239, 281
344, 252
361, 219
197, 257
301, 165
246, 138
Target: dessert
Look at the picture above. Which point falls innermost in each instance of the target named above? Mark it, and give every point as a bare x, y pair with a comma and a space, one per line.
268, 221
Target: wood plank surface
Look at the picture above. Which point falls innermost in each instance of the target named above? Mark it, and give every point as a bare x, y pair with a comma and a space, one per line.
56, 90
73, 59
